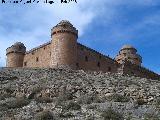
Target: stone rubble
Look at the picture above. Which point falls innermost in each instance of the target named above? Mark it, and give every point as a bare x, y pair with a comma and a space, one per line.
65, 94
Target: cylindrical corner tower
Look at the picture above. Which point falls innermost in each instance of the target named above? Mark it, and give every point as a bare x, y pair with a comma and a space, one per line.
64, 45
129, 53
15, 55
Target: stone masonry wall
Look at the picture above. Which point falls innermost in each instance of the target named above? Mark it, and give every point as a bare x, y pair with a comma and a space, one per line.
89, 59
131, 69
38, 57
64, 50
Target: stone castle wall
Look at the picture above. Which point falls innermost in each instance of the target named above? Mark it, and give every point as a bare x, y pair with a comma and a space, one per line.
88, 59
139, 71
38, 57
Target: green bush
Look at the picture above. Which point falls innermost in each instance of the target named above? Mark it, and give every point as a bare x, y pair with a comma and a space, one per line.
111, 115
44, 115
43, 99
151, 117
118, 98
66, 115
17, 103
140, 101
72, 106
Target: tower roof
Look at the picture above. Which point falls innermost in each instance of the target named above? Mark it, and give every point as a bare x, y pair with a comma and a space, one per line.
18, 44
127, 47
65, 22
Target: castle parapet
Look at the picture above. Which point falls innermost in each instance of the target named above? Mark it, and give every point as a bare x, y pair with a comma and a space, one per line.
64, 26
16, 48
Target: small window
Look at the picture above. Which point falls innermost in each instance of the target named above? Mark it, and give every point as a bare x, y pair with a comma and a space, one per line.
25, 63
37, 59
100, 57
98, 64
86, 58
49, 53
109, 69
44, 48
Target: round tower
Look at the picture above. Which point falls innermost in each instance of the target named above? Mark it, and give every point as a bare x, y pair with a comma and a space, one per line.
64, 45
15, 55
128, 53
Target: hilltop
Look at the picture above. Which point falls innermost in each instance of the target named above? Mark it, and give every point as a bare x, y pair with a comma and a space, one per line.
65, 94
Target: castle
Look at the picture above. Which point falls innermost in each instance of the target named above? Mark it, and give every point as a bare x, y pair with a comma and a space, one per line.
64, 50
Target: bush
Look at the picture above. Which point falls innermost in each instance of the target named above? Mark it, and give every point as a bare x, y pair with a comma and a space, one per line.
44, 115
118, 98
66, 115
44, 99
151, 117
72, 106
88, 99
34, 91
17, 103
140, 101
111, 115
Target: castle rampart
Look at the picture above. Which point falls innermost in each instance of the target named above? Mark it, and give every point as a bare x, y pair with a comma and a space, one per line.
64, 50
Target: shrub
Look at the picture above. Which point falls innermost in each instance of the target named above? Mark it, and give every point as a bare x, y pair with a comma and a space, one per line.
111, 115
118, 98
140, 101
88, 99
43, 99
44, 115
34, 91
17, 102
66, 115
72, 106
151, 117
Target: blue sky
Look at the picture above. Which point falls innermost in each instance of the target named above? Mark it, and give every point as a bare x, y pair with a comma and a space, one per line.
104, 25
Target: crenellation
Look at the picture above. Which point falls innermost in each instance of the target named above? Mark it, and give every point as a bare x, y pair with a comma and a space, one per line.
64, 51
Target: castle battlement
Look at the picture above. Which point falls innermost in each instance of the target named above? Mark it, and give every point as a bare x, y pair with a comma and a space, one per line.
64, 50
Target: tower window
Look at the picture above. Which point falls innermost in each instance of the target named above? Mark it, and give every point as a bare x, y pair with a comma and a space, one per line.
98, 64
109, 69
86, 58
37, 59
25, 63
100, 56
44, 48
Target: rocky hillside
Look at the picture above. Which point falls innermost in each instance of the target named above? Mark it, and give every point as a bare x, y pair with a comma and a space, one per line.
63, 94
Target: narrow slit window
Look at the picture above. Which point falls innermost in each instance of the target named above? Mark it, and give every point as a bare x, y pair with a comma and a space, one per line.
98, 64
37, 59
25, 63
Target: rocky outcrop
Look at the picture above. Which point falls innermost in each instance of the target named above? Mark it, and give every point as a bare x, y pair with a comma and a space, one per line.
64, 94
